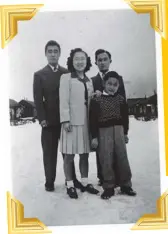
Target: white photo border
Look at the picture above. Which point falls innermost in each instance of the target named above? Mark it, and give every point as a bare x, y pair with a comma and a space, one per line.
12, 212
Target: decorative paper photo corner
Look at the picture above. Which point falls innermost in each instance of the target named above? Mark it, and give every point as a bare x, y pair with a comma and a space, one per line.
10, 16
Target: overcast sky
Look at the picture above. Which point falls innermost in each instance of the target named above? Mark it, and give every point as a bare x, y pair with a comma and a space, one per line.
126, 34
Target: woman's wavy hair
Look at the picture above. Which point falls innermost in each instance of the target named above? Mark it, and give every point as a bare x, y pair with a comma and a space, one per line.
70, 60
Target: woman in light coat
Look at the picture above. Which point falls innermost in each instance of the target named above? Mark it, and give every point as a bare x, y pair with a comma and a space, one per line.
76, 90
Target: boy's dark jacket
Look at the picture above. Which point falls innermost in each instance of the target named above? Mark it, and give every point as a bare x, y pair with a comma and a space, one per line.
102, 113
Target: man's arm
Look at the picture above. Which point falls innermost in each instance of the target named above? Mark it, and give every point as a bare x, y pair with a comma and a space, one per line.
125, 116
38, 98
94, 85
122, 88
93, 118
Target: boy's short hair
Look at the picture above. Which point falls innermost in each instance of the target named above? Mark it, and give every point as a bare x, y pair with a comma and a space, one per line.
110, 74
101, 51
52, 43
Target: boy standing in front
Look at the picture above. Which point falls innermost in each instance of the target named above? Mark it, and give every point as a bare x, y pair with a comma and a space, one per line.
103, 60
109, 129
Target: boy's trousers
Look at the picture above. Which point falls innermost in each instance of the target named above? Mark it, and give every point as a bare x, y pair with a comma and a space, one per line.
113, 157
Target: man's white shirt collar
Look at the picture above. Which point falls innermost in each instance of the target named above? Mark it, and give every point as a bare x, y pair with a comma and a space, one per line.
54, 69
102, 74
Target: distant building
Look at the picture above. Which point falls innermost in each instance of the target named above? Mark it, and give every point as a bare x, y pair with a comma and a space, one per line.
13, 107
29, 109
143, 106
134, 105
151, 105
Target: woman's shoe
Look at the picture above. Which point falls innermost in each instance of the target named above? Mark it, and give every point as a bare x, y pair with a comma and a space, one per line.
107, 194
128, 191
78, 184
90, 189
72, 193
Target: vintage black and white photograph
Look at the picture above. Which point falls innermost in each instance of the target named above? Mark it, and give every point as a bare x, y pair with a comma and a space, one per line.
84, 117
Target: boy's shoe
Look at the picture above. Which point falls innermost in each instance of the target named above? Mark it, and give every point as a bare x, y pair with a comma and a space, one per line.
72, 193
128, 191
107, 194
90, 189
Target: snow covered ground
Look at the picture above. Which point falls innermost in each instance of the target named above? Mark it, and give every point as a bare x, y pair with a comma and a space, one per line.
57, 209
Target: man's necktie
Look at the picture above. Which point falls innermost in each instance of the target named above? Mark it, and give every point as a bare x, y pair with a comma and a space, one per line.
54, 69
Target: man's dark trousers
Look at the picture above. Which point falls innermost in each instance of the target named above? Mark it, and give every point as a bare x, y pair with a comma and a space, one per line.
50, 139
99, 168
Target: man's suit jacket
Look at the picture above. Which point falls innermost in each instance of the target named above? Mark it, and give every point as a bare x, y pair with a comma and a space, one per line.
46, 94
98, 85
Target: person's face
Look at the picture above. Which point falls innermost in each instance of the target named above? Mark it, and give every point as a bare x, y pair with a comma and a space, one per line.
53, 54
79, 61
111, 86
103, 62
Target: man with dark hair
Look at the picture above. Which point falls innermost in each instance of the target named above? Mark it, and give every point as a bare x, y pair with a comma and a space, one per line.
46, 97
103, 60
52, 43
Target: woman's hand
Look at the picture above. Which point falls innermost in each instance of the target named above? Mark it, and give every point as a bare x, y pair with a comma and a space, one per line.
126, 139
94, 143
67, 126
98, 93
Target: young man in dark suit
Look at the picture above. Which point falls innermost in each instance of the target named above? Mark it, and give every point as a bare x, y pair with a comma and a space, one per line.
103, 61
46, 98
